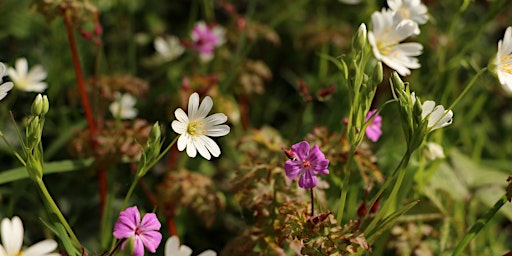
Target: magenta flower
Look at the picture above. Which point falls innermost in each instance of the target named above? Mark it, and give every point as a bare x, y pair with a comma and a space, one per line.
306, 163
373, 131
206, 39
144, 233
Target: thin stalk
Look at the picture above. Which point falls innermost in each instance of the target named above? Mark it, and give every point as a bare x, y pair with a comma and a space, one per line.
480, 223
466, 90
312, 202
51, 203
344, 188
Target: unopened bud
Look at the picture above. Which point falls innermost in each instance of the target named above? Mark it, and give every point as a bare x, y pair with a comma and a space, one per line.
359, 40
155, 133
378, 73
397, 82
37, 105
46, 105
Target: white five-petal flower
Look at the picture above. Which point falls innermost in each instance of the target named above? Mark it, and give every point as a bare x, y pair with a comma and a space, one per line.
410, 9
12, 241
195, 129
4, 87
173, 248
123, 106
437, 116
503, 61
389, 29
168, 47
28, 80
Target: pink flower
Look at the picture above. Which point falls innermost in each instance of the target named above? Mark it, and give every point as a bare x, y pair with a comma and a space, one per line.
144, 233
373, 131
306, 163
206, 39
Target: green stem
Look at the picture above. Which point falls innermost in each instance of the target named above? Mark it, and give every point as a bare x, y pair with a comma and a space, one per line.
480, 223
466, 90
312, 202
55, 209
344, 188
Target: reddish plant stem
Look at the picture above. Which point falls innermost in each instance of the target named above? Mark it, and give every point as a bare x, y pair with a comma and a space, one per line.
102, 174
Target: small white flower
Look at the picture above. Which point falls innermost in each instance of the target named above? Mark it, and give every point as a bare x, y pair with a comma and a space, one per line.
437, 116
12, 241
433, 151
410, 9
503, 61
4, 87
388, 31
195, 128
173, 248
169, 47
25, 79
123, 106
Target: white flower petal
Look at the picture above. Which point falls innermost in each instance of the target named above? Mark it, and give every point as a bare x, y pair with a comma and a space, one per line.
217, 118
193, 105
179, 127
427, 108
12, 235
204, 108
37, 73
42, 248
211, 145
208, 253
201, 148
217, 131
181, 116
182, 142
191, 148
21, 66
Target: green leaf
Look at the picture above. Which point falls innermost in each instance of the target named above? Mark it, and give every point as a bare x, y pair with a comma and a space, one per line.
51, 167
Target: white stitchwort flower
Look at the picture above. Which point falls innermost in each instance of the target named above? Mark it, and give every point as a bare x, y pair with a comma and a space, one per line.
12, 241
503, 61
195, 129
388, 31
410, 9
173, 248
4, 87
168, 47
25, 79
123, 106
437, 116
433, 151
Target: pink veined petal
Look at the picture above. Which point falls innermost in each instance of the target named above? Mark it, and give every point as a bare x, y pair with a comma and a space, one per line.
321, 167
204, 108
201, 148
12, 234
181, 116
292, 169
301, 150
151, 240
191, 148
193, 105
138, 247
128, 221
150, 222
42, 248
211, 145
21, 67
315, 155
307, 180
217, 131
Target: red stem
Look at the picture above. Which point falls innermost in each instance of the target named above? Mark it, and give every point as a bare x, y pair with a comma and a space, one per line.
85, 102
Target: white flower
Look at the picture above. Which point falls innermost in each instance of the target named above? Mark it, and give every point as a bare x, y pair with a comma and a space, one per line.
350, 1
410, 9
173, 248
12, 241
169, 47
437, 116
123, 106
4, 87
433, 151
388, 31
195, 127
503, 61
28, 80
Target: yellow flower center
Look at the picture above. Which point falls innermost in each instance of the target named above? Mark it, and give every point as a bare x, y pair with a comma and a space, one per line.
196, 128
404, 12
506, 64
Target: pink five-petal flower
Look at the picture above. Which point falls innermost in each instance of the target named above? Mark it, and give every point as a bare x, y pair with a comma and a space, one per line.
306, 164
144, 233
206, 39
373, 131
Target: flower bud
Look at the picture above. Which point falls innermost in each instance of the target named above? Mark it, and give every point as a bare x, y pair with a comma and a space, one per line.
397, 82
155, 133
37, 105
359, 40
46, 105
377, 73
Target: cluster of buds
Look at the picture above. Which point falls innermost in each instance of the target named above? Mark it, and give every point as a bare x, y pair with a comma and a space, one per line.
33, 132
151, 153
